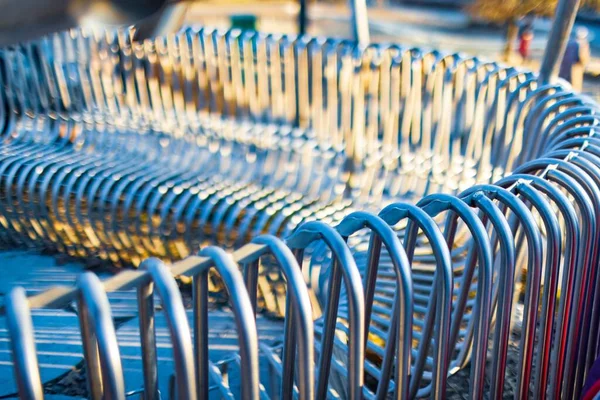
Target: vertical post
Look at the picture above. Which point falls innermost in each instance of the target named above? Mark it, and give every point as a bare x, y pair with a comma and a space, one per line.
145, 295
302, 17
201, 357
360, 22
564, 18
165, 21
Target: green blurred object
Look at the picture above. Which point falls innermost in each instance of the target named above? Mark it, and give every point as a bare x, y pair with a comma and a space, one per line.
245, 22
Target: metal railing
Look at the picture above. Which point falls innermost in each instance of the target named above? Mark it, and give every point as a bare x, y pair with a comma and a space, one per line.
551, 362
121, 150
222, 136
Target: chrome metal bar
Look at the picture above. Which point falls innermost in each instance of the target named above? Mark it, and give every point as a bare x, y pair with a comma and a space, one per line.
105, 374
343, 267
120, 150
20, 328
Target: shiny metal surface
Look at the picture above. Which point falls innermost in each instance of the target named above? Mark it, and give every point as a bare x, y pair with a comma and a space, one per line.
533, 189
192, 177
422, 199
101, 353
23, 345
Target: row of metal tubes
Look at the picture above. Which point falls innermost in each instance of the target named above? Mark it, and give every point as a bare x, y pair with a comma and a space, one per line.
250, 277
58, 184
576, 172
593, 342
450, 202
584, 161
421, 142
552, 89
166, 287
29, 169
581, 179
173, 52
351, 225
42, 165
14, 222
67, 150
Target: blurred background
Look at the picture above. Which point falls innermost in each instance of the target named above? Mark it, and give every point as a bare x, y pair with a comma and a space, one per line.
514, 31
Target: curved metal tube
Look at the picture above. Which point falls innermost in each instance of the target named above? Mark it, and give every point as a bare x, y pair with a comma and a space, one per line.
443, 282
553, 251
298, 311
435, 204
344, 267
400, 333
22, 341
101, 351
162, 281
507, 250
507, 273
244, 317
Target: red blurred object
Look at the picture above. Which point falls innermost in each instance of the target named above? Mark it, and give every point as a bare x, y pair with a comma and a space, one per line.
525, 44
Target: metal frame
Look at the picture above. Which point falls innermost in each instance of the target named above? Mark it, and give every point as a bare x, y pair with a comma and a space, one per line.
184, 108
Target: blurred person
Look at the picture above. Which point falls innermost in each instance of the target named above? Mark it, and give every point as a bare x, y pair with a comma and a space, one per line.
526, 23
577, 55
525, 45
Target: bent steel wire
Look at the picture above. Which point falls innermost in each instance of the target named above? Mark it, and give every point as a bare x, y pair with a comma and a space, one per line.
413, 193
208, 118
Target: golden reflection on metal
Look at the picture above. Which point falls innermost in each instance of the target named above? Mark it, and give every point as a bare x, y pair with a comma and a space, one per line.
120, 151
